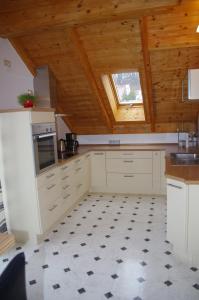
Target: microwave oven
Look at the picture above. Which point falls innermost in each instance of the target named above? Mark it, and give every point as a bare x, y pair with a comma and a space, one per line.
45, 146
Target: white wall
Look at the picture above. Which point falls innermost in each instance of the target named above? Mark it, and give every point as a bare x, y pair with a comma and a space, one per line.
14, 79
129, 138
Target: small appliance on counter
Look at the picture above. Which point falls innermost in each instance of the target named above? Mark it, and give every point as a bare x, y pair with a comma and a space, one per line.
71, 143
61, 147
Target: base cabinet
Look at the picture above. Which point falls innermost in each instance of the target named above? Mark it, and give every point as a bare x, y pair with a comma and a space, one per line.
177, 215
183, 221
193, 225
127, 172
98, 170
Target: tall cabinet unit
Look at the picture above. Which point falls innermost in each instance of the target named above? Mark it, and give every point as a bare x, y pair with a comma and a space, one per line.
19, 173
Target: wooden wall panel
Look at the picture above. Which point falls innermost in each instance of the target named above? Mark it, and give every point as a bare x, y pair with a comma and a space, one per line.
167, 84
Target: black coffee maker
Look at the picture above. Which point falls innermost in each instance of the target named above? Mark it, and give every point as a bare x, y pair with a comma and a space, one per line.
71, 143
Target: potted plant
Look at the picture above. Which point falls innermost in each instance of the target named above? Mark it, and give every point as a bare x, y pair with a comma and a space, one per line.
27, 99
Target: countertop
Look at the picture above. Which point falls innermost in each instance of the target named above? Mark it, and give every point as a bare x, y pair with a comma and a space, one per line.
188, 174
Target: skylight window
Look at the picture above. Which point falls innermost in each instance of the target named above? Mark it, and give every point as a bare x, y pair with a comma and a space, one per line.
127, 87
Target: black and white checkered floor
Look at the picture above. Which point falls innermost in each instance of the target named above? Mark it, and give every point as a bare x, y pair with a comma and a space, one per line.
109, 247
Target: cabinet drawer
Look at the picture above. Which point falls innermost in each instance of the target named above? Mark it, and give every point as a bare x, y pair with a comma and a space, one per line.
130, 183
48, 176
78, 163
129, 154
66, 168
50, 215
79, 174
129, 165
48, 193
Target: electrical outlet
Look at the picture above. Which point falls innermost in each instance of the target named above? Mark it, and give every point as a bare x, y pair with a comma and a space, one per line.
114, 142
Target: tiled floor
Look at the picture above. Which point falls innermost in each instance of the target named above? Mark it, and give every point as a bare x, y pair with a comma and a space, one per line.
109, 247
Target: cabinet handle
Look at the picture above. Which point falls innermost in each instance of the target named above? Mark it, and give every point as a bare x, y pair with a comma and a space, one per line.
65, 177
127, 153
98, 153
54, 206
51, 175
66, 196
65, 187
175, 186
129, 176
128, 161
64, 168
77, 170
51, 186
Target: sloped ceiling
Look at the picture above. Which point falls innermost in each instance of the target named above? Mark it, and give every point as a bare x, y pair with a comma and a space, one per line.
82, 40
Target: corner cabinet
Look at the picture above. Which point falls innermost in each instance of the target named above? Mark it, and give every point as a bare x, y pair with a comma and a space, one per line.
182, 220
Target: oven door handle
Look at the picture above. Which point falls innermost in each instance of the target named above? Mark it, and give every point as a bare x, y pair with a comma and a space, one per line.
40, 136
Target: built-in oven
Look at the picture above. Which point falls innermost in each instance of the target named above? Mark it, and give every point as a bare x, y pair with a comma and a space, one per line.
45, 146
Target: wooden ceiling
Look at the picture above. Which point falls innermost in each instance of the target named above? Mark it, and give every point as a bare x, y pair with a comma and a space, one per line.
85, 39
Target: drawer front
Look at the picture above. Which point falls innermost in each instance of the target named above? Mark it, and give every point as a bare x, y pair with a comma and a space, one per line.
66, 179
130, 183
50, 215
66, 168
79, 174
78, 162
129, 165
48, 176
129, 154
67, 199
48, 193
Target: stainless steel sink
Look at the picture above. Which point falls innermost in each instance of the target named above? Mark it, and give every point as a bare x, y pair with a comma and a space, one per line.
184, 158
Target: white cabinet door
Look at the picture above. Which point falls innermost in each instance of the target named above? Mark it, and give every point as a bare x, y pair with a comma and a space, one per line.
193, 224
156, 172
163, 184
98, 169
177, 202
86, 176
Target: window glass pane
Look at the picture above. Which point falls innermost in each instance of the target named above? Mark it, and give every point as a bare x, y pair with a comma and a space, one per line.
128, 87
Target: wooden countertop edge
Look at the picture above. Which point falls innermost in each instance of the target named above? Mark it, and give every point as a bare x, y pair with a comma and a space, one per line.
182, 179
38, 109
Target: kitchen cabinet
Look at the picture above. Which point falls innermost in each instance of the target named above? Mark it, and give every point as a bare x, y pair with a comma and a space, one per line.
163, 189
177, 209
127, 172
98, 170
182, 220
193, 225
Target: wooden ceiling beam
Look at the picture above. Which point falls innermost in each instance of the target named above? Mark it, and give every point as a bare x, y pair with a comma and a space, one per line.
89, 74
24, 17
147, 70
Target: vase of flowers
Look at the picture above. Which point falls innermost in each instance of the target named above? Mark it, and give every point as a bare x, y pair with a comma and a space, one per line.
27, 99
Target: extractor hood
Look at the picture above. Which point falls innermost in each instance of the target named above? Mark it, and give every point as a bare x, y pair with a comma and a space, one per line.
45, 87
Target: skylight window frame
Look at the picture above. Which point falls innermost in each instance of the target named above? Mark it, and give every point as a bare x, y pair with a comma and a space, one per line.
114, 88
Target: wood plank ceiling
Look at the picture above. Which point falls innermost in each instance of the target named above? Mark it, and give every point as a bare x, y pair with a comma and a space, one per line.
81, 40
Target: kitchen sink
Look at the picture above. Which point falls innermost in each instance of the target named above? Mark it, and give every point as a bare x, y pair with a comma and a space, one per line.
184, 158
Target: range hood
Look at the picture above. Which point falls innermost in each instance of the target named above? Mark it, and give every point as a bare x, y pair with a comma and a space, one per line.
45, 87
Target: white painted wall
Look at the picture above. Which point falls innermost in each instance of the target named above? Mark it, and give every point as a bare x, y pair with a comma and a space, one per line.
14, 79
130, 138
